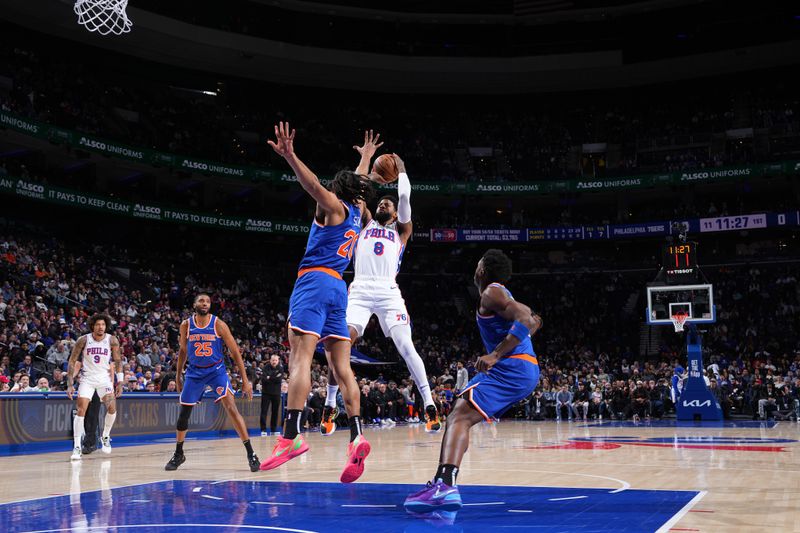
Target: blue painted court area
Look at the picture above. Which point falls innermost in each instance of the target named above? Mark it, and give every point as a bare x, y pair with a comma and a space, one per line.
198, 506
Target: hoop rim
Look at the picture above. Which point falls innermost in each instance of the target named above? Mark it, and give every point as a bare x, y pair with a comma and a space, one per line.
679, 320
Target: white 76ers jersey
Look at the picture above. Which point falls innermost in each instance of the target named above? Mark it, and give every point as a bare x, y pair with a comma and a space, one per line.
96, 360
378, 252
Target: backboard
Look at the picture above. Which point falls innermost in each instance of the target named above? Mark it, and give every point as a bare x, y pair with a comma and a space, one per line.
696, 301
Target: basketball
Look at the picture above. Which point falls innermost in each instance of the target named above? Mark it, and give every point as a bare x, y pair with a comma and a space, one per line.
386, 167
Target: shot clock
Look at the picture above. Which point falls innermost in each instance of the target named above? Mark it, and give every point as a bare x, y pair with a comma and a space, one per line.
680, 262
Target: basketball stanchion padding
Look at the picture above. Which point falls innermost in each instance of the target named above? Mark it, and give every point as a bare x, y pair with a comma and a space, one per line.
103, 16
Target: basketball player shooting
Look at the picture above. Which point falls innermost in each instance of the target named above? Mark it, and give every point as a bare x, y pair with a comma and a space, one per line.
374, 289
201, 338
507, 374
318, 304
95, 351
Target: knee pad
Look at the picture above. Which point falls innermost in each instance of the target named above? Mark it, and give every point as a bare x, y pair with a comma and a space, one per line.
183, 417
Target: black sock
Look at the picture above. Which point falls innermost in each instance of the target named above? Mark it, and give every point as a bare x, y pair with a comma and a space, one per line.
179, 448
447, 473
355, 427
248, 447
291, 427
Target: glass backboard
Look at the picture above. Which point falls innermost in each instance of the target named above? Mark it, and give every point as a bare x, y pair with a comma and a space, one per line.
696, 301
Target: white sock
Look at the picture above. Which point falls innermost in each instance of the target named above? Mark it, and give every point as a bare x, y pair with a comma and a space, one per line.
108, 424
77, 430
401, 335
330, 401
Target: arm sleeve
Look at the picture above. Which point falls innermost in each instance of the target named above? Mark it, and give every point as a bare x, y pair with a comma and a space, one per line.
404, 199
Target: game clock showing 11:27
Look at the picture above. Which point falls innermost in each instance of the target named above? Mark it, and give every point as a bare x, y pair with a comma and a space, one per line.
680, 261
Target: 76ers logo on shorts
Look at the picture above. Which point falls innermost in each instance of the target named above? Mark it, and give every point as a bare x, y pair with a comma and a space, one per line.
402, 317
220, 390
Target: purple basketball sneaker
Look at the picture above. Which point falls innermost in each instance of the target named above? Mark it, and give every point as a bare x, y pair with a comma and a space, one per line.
436, 496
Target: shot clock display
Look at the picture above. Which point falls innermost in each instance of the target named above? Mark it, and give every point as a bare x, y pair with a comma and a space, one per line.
680, 261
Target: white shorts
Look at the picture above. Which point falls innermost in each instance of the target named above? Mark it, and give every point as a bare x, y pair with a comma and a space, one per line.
90, 384
381, 298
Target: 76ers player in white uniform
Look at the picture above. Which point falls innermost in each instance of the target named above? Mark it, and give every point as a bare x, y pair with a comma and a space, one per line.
96, 350
374, 290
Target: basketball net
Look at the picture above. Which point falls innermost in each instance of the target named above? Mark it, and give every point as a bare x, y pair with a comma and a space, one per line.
678, 320
103, 16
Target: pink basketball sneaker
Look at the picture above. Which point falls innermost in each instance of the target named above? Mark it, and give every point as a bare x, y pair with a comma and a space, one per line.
284, 450
357, 451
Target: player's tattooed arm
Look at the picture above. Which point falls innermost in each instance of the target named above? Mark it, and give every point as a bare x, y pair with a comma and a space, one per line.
327, 202
495, 300
73, 359
116, 356
236, 355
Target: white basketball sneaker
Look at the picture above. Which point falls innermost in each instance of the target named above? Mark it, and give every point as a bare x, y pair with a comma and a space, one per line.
106, 444
76, 454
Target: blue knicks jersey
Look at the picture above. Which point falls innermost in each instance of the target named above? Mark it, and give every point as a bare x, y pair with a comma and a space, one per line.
494, 329
332, 246
203, 345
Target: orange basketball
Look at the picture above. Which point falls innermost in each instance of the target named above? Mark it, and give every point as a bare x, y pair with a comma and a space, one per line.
386, 167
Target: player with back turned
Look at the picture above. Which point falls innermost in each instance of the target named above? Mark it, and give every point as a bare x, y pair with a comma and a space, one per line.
201, 339
318, 305
507, 374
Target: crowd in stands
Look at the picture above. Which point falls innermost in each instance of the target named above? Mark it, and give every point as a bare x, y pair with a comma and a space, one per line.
592, 363
451, 139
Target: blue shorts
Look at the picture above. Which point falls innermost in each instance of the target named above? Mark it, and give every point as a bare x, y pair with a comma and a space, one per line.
510, 380
196, 380
318, 306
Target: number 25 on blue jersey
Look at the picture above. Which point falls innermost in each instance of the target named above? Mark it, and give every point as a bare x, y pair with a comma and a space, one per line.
346, 249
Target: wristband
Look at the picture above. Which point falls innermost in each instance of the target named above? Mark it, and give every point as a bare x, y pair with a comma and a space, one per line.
120, 377
519, 330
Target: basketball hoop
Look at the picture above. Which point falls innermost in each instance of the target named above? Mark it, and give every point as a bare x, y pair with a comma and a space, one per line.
103, 16
678, 320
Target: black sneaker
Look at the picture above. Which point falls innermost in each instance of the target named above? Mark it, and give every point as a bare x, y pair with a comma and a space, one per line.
328, 424
86, 450
254, 462
432, 423
176, 461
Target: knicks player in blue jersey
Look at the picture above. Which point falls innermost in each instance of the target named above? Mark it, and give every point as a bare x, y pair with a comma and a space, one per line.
201, 340
318, 305
507, 374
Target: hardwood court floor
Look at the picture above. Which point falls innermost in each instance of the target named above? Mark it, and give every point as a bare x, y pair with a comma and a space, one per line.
747, 478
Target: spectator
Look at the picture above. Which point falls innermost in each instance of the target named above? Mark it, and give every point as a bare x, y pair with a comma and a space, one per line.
271, 376
58, 354
564, 400
462, 377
